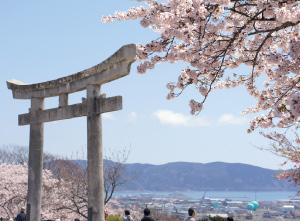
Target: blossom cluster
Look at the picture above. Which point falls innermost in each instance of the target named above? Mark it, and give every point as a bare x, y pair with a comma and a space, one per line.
214, 36
13, 193
13, 189
289, 149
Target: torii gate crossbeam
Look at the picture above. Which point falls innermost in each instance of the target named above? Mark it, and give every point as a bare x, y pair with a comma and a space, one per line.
116, 66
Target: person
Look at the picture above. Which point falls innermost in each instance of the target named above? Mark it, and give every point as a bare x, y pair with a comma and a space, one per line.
127, 216
147, 215
22, 215
76, 220
230, 218
106, 214
192, 214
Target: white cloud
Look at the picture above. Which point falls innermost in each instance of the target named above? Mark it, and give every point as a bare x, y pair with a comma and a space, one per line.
230, 119
171, 118
168, 117
132, 117
109, 116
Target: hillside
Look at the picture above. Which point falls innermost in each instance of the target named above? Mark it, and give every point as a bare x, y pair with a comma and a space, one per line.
217, 176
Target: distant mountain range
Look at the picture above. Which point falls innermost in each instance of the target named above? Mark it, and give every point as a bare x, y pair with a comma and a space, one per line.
216, 176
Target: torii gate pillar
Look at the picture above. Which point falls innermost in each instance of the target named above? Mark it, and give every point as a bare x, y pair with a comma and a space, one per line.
35, 162
95, 155
116, 66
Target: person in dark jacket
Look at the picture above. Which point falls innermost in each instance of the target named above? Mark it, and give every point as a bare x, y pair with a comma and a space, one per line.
147, 215
22, 215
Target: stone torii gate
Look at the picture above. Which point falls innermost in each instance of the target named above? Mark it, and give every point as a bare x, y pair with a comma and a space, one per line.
116, 66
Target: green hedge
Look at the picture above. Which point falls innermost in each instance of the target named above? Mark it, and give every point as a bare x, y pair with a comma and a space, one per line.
114, 218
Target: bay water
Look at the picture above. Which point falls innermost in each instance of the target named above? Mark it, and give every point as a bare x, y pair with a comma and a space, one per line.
232, 195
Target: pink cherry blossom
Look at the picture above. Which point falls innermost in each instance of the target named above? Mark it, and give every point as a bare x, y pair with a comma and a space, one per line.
289, 149
215, 36
13, 193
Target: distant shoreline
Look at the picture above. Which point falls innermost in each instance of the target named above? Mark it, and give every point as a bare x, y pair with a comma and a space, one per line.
232, 195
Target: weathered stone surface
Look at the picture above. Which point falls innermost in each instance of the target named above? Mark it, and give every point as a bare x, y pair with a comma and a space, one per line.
63, 100
116, 66
95, 154
35, 162
103, 105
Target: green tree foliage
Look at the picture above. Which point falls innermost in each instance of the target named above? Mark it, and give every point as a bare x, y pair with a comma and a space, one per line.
114, 218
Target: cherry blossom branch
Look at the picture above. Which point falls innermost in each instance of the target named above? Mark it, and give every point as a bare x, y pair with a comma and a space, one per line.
213, 36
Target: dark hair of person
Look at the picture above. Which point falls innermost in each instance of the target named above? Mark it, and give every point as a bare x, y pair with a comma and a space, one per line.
76, 220
127, 212
146, 212
191, 211
230, 218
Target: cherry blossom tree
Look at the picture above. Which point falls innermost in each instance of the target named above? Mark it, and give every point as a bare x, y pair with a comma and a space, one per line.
13, 189
13, 192
72, 189
214, 37
64, 183
283, 145
116, 172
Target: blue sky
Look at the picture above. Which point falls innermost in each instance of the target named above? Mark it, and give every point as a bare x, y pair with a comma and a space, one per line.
45, 40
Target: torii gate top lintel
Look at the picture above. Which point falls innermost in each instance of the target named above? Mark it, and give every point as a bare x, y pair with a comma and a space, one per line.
116, 66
